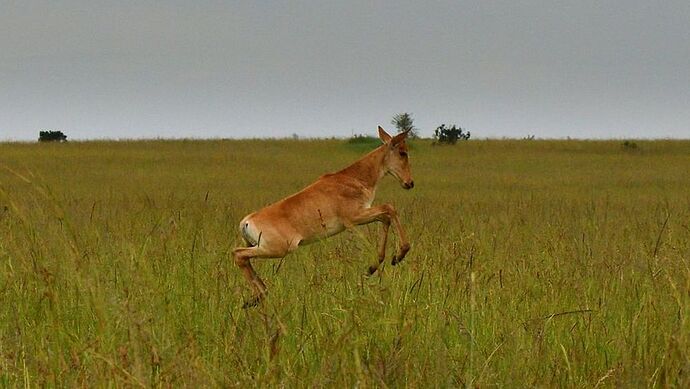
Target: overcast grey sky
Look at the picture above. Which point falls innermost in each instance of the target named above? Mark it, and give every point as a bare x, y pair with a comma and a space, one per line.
132, 69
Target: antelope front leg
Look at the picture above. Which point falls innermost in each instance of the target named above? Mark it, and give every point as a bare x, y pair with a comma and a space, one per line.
386, 214
402, 237
383, 239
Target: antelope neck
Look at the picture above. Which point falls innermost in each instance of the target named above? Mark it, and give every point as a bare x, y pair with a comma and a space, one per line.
370, 168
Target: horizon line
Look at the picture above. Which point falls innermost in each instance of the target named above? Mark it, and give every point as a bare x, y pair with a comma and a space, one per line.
316, 138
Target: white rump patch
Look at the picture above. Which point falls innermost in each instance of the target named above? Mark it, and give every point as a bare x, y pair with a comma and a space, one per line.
249, 233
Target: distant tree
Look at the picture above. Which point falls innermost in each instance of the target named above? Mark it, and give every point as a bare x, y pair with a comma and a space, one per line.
51, 136
450, 135
404, 122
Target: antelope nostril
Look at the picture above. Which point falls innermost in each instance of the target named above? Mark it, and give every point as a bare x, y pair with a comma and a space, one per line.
411, 184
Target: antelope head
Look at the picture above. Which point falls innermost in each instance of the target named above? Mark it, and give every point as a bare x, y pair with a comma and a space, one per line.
396, 162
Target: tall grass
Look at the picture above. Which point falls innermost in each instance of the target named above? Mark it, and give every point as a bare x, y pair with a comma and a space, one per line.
541, 263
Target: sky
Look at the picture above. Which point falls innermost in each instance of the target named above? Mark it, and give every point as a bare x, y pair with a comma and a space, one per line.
225, 69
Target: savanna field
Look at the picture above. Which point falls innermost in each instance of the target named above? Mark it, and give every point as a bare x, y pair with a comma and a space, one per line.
533, 264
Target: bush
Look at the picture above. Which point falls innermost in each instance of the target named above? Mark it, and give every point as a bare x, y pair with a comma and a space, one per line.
450, 135
629, 145
363, 142
366, 139
51, 136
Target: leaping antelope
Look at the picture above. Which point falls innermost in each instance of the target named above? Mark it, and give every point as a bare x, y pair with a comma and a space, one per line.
333, 203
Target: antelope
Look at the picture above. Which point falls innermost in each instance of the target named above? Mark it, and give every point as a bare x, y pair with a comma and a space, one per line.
335, 202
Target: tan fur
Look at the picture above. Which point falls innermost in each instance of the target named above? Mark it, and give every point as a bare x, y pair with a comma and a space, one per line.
333, 203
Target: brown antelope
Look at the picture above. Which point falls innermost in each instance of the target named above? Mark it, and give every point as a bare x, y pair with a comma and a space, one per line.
333, 203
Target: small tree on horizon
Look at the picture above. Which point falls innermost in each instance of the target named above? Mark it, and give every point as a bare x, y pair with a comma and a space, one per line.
404, 122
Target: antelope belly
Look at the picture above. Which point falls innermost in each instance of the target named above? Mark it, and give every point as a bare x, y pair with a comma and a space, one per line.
323, 232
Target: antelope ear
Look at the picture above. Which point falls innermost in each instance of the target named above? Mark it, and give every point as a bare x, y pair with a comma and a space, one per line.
383, 135
400, 137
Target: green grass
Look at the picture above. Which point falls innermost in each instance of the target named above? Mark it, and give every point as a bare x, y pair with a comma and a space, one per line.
533, 263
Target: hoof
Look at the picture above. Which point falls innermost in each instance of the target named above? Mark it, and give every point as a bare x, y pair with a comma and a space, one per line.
401, 255
253, 302
372, 270
397, 259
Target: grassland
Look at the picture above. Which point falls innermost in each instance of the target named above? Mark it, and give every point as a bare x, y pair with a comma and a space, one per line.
534, 263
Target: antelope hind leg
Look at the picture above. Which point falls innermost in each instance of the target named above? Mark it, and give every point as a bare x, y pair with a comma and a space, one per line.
242, 259
243, 256
254, 301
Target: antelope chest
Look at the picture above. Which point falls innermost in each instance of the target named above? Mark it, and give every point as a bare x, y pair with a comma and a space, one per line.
370, 198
